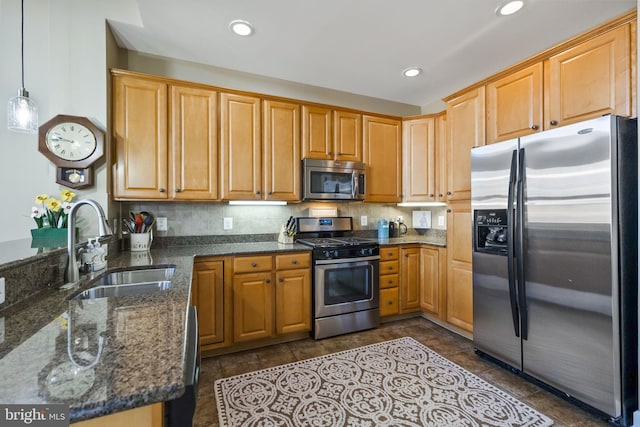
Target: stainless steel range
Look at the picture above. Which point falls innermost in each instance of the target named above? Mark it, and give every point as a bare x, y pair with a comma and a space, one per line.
345, 276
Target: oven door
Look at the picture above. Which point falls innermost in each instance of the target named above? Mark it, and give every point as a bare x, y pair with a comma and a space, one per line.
346, 285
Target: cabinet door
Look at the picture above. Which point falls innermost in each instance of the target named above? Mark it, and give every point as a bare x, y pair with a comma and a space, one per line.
140, 136
459, 275
281, 148
293, 301
347, 136
208, 297
589, 80
409, 279
317, 133
514, 105
429, 273
241, 148
442, 172
252, 306
419, 159
388, 301
194, 144
465, 115
382, 153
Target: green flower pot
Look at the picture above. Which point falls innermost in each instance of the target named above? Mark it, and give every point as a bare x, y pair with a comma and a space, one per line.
50, 237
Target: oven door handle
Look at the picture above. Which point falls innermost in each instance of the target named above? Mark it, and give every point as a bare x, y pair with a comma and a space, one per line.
347, 260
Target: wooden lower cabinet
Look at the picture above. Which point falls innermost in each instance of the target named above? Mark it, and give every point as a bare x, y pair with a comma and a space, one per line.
430, 294
410, 279
389, 280
253, 302
144, 416
207, 294
293, 301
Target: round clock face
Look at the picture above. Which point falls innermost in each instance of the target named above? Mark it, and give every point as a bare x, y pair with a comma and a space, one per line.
71, 141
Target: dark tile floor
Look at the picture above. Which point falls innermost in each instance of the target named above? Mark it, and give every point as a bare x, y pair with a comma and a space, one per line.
450, 345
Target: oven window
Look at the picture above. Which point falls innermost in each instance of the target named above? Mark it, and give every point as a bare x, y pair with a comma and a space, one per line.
330, 182
343, 285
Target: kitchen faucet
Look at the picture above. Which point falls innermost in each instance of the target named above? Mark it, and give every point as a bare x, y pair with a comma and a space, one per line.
72, 274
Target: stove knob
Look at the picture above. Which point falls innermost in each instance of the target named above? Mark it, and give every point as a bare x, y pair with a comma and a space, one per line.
335, 253
363, 251
326, 254
370, 251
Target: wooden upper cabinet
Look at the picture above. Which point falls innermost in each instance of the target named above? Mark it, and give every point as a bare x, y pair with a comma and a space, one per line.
442, 144
194, 144
382, 153
140, 137
466, 117
317, 132
514, 105
281, 148
240, 147
419, 159
589, 80
347, 136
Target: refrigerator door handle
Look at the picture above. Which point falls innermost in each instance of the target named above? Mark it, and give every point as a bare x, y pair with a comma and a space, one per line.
513, 296
520, 218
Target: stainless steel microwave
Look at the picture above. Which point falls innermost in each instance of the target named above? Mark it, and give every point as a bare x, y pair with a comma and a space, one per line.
333, 180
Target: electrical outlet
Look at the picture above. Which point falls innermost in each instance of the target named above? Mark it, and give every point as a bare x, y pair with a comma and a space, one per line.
363, 220
441, 220
162, 223
228, 223
2, 290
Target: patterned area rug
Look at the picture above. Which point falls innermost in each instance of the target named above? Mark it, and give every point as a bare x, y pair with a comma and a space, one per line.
394, 383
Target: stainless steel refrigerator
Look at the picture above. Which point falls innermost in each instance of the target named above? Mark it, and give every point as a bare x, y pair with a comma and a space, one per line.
555, 258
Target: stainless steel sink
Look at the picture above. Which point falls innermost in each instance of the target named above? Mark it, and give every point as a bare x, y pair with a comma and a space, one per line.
127, 277
123, 290
129, 282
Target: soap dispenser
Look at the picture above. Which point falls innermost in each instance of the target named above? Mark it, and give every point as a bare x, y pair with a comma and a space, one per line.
99, 258
87, 257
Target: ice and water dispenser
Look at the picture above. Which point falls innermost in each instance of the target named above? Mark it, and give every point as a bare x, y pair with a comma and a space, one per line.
490, 231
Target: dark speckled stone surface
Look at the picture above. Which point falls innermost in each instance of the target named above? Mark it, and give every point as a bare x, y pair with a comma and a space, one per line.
142, 359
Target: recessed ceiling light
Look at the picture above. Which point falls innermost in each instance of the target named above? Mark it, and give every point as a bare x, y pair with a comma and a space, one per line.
510, 8
412, 72
241, 28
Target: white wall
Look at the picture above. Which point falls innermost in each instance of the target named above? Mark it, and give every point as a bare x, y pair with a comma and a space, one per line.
65, 73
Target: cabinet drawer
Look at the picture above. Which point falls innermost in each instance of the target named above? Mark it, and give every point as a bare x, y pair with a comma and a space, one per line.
389, 281
289, 261
389, 267
388, 252
250, 264
388, 301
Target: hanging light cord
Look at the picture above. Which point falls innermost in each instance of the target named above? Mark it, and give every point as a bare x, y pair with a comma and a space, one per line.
22, 43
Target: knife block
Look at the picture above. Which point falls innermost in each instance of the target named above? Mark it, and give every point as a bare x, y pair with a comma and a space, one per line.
283, 238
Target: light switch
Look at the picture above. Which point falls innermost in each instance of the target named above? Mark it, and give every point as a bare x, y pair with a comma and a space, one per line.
363, 220
161, 223
228, 223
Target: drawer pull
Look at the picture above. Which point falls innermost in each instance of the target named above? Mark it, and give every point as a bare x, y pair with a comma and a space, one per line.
253, 264
389, 281
267, 281
294, 262
390, 268
390, 303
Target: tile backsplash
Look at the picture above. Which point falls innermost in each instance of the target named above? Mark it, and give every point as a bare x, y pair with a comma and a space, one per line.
202, 219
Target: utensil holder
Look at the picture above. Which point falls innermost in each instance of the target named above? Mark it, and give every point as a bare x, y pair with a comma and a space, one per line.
284, 238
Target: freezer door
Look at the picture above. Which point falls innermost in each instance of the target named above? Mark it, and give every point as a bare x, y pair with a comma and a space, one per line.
493, 325
568, 263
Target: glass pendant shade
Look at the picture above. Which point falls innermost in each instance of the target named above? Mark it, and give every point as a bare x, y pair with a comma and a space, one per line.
22, 113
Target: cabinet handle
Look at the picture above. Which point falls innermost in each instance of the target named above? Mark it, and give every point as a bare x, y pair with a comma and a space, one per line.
162, 190
553, 122
258, 192
178, 190
390, 302
339, 153
534, 127
448, 193
281, 280
270, 192
329, 153
448, 210
389, 281
390, 268
253, 264
440, 195
267, 281
431, 195
294, 262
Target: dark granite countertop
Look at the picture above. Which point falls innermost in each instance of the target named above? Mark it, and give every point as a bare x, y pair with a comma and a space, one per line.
142, 360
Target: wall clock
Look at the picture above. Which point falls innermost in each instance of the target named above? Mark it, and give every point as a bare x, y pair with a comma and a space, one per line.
73, 144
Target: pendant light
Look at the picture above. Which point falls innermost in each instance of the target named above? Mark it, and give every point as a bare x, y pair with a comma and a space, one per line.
22, 112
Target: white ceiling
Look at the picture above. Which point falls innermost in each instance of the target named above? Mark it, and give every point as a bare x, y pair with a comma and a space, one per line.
362, 46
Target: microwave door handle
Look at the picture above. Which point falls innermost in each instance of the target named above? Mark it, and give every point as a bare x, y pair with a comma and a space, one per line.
354, 185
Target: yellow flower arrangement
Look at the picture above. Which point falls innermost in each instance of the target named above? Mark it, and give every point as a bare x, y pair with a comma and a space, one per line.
54, 212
